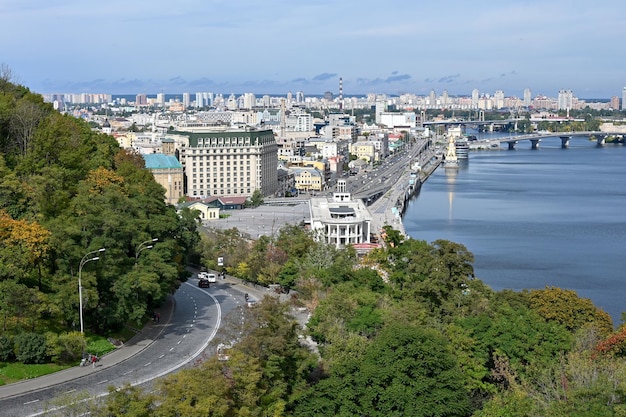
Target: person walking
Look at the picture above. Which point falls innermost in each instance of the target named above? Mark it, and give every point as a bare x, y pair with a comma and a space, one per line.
158, 317
94, 359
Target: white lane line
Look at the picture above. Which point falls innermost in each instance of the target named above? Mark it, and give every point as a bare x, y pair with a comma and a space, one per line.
70, 391
127, 372
102, 382
171, 349
161, 356
148, 364
31, 402
178, 343
184, 336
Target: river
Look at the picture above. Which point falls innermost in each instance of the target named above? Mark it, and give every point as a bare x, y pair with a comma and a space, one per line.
535, 218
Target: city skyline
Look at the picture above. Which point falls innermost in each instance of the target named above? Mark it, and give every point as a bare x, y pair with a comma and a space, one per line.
403, 47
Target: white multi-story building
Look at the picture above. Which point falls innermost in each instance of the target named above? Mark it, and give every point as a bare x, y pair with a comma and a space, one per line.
233, 162
339, 220
527, 97
624, 98
565, 100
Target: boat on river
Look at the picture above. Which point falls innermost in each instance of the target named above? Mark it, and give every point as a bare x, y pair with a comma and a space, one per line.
462, 148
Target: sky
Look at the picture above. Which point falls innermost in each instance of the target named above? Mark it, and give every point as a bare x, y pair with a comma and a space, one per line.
276, 46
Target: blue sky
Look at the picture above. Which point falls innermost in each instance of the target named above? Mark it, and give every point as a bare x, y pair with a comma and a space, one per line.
276, 46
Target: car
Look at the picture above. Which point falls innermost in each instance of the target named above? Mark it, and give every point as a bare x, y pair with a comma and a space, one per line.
204, 283
251, 303
211, 277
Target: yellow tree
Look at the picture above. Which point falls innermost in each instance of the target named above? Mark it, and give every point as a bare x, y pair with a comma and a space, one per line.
567, 308
25, 246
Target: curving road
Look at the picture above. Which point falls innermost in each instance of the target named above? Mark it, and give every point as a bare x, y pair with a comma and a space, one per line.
194, 322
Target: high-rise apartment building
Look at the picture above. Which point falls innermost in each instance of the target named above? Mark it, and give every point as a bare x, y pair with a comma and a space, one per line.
186, 100
141, 100
161, 99
565, 100
624, 98
527, 97
230, 162
615, 102
475, 95
498, 98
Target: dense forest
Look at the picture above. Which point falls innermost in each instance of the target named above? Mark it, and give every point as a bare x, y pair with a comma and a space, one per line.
65, 193
407, 330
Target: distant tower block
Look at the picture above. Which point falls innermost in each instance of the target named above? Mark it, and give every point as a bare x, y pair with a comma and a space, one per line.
340, 93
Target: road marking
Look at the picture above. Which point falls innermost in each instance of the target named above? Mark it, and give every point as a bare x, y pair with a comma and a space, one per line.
184, 336
161, 356
31, 402
126, 373
171, 349
102, 382
149, 363
70, 391
178, 343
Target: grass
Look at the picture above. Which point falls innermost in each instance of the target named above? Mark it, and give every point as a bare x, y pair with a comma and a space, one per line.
13, 372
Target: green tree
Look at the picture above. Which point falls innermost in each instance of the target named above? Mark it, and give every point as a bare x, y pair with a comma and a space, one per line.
404, 371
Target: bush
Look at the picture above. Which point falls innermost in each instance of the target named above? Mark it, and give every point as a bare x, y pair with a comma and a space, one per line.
6, 349
67, 347
30, 348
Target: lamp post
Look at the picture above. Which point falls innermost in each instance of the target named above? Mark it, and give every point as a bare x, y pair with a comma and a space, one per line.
142, 246
87, 258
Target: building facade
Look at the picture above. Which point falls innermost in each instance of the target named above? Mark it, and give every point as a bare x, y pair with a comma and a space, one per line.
168, 172
230, 162
340, 221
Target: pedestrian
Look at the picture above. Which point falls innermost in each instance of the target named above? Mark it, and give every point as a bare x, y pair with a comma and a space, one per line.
158, 317
154, 316
94, 359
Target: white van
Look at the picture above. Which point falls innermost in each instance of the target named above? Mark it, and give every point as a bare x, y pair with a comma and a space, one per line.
211, 277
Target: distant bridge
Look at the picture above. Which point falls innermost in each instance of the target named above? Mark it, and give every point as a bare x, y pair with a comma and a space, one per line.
535, 138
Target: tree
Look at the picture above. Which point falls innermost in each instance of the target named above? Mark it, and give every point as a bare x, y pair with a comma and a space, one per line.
566, 308
406, 370
256, 199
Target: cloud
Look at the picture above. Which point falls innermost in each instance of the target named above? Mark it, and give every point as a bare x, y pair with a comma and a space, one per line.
324, 76
395, 78
447, 79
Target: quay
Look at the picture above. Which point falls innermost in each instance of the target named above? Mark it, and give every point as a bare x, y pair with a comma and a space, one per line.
389, 208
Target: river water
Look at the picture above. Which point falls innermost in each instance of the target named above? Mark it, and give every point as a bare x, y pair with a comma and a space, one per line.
535, 218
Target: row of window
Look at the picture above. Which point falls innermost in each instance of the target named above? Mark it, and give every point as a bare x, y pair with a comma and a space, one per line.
221, 191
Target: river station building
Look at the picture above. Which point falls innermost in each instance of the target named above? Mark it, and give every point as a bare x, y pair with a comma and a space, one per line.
340, 220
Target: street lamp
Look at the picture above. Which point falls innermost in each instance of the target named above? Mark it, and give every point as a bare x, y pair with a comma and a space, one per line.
87, 258
142, 246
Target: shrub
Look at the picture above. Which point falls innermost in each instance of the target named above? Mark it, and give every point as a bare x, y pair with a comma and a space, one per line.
6, 349
30, 348
67, 347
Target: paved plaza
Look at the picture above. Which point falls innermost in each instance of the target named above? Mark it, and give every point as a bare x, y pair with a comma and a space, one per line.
264, 220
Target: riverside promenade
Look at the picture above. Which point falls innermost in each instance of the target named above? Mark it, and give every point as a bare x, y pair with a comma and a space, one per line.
388, 209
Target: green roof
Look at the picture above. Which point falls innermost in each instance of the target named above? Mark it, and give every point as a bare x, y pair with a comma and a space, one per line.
159, 160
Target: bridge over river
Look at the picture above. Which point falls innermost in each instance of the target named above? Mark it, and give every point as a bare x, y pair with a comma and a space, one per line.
535, 139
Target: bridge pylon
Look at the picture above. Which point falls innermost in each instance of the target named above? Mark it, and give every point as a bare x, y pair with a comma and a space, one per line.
534, 143
565, 141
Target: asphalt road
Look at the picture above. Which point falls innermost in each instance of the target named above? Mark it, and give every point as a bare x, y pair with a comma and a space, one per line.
193, 324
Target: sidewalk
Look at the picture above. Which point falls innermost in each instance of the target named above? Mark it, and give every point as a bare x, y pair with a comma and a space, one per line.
150, 332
